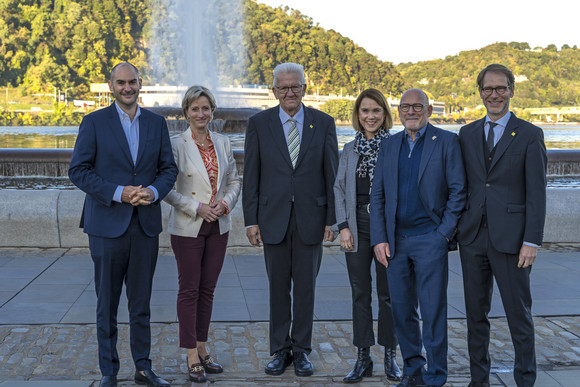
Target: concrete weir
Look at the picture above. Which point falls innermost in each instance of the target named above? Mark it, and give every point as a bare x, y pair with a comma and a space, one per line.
55, 162
50, 218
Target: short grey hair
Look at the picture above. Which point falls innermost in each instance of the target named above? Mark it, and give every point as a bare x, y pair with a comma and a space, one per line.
192, 94
286, 68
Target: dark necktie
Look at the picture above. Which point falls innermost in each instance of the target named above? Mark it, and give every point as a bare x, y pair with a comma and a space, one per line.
490, 135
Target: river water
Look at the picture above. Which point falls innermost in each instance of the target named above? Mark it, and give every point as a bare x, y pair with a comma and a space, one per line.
556, 136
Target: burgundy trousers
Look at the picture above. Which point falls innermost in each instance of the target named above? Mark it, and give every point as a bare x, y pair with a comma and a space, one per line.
199, 263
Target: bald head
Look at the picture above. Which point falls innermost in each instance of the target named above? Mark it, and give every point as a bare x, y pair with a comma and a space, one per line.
417, 93
120, 65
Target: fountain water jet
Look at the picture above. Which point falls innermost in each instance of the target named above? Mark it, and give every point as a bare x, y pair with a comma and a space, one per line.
197, 42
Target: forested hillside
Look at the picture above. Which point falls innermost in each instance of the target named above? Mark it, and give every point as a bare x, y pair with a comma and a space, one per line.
544, 77
68, 44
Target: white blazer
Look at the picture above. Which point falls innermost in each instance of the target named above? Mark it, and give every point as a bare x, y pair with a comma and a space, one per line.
192, 185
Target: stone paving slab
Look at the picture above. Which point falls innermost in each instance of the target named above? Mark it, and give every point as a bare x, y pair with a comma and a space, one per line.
69, 353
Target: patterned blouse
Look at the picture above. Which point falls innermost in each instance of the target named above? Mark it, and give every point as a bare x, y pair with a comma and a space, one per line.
209, 158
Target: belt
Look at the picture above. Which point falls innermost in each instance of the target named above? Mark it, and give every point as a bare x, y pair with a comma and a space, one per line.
366, 206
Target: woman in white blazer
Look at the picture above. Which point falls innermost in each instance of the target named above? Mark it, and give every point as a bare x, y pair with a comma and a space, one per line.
372, 119
205, 192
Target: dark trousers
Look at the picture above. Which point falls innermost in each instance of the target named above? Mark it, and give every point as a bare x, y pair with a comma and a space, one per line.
418, 276
131, 258
292, 265
199, 263
480, 263
359, 274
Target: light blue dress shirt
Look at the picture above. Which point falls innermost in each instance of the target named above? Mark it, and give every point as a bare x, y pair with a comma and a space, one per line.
299, 117
498, 129
131, 129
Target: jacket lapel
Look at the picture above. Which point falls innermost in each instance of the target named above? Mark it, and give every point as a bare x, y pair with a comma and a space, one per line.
220, 156
118, 132
193, 155
477, 144
307, 132
277, 133
429, 143
394, 152
144, 131
506, 139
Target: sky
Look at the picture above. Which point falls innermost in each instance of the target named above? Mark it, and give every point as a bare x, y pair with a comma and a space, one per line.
415, 30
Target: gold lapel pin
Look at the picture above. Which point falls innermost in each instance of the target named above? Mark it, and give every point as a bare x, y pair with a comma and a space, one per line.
311, 126
433, 138
513, 134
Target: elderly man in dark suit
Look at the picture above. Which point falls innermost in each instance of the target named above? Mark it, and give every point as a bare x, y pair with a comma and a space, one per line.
123, 161
290, 161
417, 196
503, 223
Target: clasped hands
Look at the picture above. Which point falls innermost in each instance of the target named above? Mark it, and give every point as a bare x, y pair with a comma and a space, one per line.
211, 212
137, 196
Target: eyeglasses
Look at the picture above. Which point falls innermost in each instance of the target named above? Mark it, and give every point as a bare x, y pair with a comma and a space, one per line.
284, 90
417, 107
499, 90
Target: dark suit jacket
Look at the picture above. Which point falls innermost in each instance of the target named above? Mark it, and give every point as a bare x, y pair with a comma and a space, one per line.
270, 183
514, 191
441, 183
102, 160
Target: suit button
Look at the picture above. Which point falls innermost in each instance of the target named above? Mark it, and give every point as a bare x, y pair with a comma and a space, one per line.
481, 206
189, 175
193, 193
488, 185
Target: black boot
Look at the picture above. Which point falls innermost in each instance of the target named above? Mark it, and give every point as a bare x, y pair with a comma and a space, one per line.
392, 370
362, 367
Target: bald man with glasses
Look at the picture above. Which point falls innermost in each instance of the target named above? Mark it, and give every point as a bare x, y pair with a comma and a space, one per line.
417, 196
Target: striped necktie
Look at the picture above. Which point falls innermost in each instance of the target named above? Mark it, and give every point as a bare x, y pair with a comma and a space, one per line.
293, 142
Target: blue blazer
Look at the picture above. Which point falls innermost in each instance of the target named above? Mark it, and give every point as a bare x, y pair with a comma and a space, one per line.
101, 161
441, 184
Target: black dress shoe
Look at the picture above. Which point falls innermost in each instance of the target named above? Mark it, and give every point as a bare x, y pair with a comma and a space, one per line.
279, 362
392, 370
210, 366
196, 373
411, 381
150, 379
362, 367
108, 381
302, 366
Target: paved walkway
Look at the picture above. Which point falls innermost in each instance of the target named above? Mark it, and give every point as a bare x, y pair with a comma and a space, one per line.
47, 315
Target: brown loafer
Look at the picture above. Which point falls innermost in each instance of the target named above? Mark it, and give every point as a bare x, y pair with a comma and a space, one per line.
210, 366
197, 373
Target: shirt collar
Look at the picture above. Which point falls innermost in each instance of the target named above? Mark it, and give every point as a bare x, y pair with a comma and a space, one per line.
123, 115
419, 134
502, 121
299, 117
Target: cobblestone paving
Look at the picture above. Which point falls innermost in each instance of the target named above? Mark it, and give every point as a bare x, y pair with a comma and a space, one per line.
69, 352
